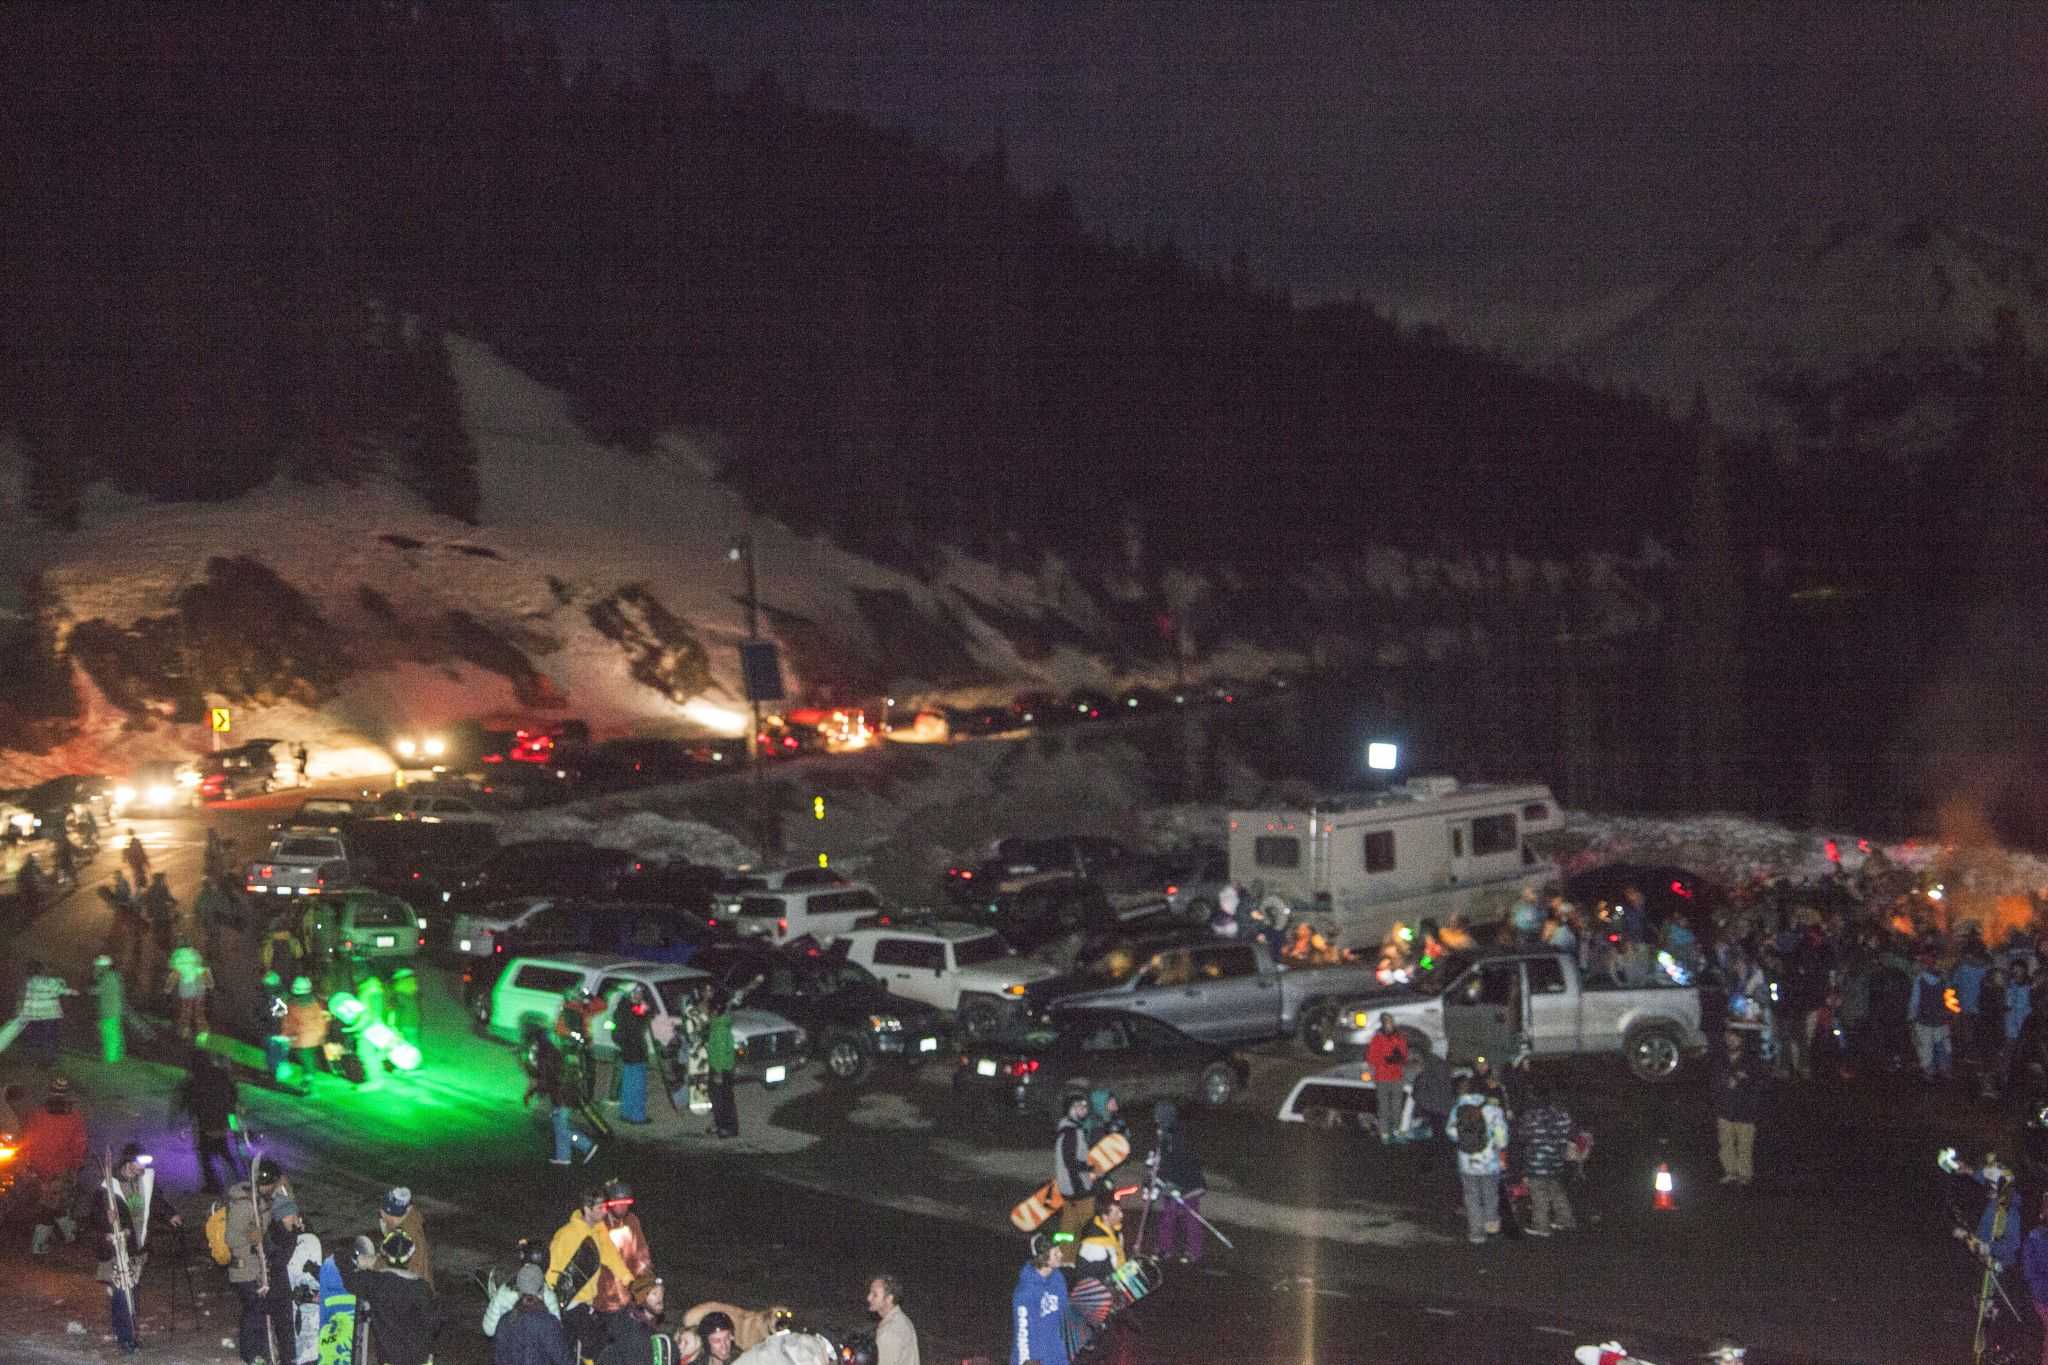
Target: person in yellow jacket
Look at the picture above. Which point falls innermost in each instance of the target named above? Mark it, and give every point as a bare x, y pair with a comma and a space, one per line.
580, 1249
305, 1026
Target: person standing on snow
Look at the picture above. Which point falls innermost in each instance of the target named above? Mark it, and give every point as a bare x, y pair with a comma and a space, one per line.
1385, 1057
112, 1004
42, 1014
895, 1334
549, 1078
1480, 1130
629, 1033
1547, 1143
53, 1139
1038, 1307
528, 1331
127, 1209
188, 983
404, 1315
294, 1266
248, 1204
208, 1093
1182, 1184
137, 859
1928, 1008
721, 1055
1738, 1102
1070, 1173
398, 1213
578, 1252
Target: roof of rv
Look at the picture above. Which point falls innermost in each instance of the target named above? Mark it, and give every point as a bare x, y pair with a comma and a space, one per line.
1411, 796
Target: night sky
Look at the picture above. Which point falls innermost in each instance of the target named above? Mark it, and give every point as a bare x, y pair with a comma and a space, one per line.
1537, 152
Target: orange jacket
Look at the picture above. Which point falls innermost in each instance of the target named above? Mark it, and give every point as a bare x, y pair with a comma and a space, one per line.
305, 1023
55, 1143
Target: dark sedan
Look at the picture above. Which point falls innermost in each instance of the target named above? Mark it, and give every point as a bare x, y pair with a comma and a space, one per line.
1141, 1059
854, 1022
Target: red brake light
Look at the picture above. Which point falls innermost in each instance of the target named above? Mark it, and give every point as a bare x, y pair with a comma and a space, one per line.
268, 871
782, 926
1023, 1068
1678, 889
1172, 890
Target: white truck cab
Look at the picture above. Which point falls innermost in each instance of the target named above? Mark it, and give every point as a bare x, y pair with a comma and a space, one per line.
960, 967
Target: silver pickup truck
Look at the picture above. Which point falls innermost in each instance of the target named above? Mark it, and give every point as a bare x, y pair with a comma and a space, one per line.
300, 865
1477, 1004
1214, 989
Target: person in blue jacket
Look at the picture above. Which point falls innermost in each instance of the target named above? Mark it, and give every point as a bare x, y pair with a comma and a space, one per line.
1038, 1307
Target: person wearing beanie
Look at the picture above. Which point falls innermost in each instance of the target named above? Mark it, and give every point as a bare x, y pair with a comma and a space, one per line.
504, 1296
294, 1300
636, 1328
398, 1213
248, 1204
715, 1341
53, 1141
404, 1315
527, 1331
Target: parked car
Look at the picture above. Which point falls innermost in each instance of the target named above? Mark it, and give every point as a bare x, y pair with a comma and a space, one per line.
301, 865
1219, 989
1051, 915
476, 932
1142, 1059
962, 968
854, 1023
379, 927
531, 989
548, 867
820, 913
646, 933
725, 900
233, 782
1477, 1004
436, 809
1191, 880
982, 721
326, 814
419, 863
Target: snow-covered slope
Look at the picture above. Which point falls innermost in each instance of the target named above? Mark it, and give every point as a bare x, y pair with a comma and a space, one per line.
1820, 303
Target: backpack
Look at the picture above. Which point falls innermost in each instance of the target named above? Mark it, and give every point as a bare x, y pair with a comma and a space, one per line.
217, 1234
1471, 1129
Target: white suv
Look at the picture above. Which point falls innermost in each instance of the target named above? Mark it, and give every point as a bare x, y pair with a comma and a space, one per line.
823, 912
531, 989
960, 967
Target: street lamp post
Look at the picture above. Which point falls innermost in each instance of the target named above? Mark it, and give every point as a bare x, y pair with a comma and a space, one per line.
742, 551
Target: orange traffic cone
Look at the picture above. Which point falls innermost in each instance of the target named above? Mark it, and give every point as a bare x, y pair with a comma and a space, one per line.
1663, 1201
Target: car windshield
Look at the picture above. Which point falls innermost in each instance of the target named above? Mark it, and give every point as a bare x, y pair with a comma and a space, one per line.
972, 952
309, 848
1433, 975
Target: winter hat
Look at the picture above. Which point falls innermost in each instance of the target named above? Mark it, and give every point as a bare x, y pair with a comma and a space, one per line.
60, 1087
397, 1202
643, 1288
283, 1207
103, 961
396, 1249
712, 1322
268, 1172
531, 1279
301, 986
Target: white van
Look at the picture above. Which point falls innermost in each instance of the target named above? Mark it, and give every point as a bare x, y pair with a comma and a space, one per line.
960, 967
823, 912
1426, 849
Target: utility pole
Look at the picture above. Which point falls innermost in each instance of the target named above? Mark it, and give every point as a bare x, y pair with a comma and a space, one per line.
743, 551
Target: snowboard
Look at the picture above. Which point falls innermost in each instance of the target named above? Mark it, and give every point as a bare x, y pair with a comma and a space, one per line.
1104, 1157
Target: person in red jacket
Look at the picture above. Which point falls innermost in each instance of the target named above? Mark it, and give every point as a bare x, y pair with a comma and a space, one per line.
1386, 1056
53, 1140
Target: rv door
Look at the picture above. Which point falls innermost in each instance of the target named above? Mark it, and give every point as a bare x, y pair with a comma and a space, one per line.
1460, 832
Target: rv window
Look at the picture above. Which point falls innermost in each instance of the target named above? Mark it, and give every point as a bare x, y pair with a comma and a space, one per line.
1535, 813
1493, 834
1276, 850
1457, 841
1379, 851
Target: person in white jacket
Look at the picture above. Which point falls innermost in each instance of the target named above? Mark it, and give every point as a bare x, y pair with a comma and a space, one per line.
1479, 1130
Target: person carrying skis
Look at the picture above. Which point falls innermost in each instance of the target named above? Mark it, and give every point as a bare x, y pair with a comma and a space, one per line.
124, 1209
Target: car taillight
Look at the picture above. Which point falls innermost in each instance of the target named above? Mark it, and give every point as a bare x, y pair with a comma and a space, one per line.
348, 943
267, 872
782, 926
1172, 890
1023, 1068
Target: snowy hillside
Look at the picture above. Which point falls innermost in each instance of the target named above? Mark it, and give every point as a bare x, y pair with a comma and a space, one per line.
1815, 305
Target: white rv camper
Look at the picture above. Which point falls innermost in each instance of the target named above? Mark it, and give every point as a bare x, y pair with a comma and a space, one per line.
1427, 849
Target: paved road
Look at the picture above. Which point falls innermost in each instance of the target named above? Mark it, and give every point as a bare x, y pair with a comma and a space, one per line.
1345, 1251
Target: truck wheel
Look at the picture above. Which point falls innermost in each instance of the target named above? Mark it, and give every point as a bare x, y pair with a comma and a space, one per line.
1218, 1085
846, 1058
1199, 910
1319, 1028
1653, 1052
981, 1018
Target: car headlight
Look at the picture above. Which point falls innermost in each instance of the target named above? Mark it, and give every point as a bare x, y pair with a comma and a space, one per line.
160, 795
123, 795
406, 748
436, 746
885, 1023
1360, 1019
1015, 988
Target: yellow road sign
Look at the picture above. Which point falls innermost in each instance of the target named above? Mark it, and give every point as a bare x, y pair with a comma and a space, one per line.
222, 723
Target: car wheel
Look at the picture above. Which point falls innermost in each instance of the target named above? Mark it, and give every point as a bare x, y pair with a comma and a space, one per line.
1319, 1028
981, 1018
846, 1058
1200, 910
1653, 1052
1218, 1085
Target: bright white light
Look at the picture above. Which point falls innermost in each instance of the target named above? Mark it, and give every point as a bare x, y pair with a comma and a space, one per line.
160, 795
436, 747
124, 795
1381, 756
406, 748
712, 716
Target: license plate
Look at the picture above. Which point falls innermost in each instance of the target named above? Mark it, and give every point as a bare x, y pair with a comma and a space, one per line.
985, 1067
927, 1045
387, 940
775, 1075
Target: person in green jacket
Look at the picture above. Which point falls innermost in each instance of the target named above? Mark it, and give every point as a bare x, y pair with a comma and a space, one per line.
106, 990
722, 1057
